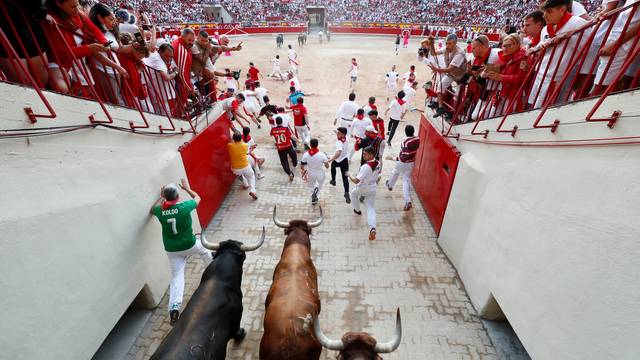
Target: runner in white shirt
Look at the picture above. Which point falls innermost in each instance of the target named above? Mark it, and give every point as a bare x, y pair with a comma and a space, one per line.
292, 55
346, 112
406, 76
410, 95
276, 72
293, 81
353, 73
251, 105
311, 168
230, 82
260, 93
392, 82
254, 161
396, 111
360, 123
366, 182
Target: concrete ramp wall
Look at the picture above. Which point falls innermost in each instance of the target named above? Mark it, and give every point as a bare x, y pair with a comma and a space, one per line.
551, 231
76, 239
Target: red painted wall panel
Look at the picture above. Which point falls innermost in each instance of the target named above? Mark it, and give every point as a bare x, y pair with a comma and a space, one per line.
434, 172
206, 162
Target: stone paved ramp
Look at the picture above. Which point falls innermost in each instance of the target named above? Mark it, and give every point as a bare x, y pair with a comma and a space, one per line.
361, 283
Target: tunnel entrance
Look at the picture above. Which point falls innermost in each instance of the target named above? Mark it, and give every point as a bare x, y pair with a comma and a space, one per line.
124, 333
504, 338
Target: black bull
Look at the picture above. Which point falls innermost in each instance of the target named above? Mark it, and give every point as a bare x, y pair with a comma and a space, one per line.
212, 316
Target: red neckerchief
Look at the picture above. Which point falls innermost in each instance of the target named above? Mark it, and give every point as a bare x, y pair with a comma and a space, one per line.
360, 117
482, 60
343, 140
400, 101
167, 204
246, 138
292, 84
373, 164
313, 151
554, 30
535, 40
373, 106
372, 135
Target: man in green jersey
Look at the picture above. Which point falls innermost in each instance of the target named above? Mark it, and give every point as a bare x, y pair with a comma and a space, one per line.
178, 238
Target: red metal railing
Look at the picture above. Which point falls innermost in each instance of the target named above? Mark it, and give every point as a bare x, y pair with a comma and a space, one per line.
143, 89
570, 68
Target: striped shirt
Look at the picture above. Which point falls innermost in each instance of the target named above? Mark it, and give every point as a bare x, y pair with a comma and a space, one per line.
182, 56
408, 149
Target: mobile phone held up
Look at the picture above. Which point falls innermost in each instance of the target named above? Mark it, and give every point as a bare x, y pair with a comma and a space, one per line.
139, 38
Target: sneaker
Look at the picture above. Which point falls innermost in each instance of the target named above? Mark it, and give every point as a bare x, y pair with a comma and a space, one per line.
261, 176
408, 206
372, 234
357, 212
347, 198
433, 105
332, 182
253, 195
314, 196
388, 186
389, 143
174, 315
290, 177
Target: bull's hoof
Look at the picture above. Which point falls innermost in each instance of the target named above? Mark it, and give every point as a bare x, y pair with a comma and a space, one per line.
240, 335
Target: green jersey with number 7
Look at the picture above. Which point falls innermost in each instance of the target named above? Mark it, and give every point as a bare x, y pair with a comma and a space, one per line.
177, 233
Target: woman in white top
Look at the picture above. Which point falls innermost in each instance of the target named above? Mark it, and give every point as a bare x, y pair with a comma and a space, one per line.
107, 77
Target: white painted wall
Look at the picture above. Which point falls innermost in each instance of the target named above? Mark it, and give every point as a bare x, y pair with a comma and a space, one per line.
553, 233
76, 241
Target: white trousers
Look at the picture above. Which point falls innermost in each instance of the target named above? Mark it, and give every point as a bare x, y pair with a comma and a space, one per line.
178, 261
248, 177
254, 166
303, 134
392, 90
404, 170
315, 180
369, 201
346, 124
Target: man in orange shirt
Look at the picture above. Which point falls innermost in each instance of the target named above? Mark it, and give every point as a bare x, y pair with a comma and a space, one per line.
240, 163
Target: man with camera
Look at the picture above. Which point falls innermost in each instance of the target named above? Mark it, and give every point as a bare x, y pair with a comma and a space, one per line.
454, 69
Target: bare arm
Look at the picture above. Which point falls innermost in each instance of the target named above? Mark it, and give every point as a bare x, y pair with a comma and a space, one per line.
185, 186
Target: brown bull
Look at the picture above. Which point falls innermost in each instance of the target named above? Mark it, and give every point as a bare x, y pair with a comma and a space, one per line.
359, 346
293, 301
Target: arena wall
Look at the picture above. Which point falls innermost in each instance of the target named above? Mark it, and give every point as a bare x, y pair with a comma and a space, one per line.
78, 243
551, 232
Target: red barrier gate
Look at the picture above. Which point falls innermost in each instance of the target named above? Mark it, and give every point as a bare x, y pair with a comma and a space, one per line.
434, 172
206, 162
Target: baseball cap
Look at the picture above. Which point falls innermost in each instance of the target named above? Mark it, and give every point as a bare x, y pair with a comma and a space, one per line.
370, 128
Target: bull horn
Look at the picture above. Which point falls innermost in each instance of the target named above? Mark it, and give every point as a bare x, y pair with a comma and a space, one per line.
208, 245
277, 221
323, 340
318, 221
255, 246
385, 348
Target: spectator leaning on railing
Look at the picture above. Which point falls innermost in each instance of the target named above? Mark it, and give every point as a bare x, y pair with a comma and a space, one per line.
35, 14
560, 23
454, 69
514, 65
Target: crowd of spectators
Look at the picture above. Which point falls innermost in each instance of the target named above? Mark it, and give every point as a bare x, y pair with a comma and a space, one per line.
112, 47
558, 53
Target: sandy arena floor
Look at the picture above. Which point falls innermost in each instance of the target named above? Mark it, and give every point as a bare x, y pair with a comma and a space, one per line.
361, 283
